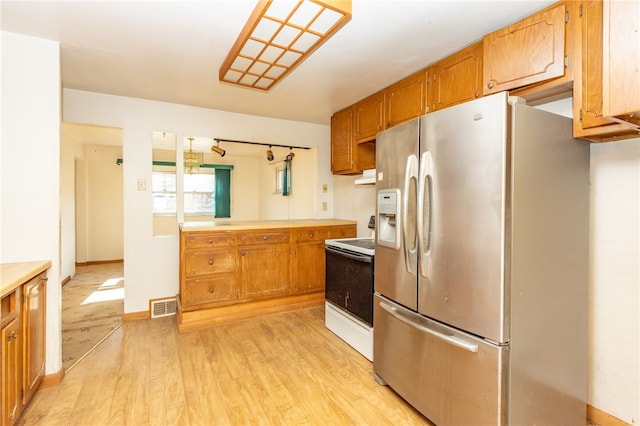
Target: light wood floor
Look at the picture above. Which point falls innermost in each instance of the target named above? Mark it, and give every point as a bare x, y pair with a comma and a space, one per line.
283, 369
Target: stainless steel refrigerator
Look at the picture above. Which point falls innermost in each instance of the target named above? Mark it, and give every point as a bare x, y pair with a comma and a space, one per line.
481, 273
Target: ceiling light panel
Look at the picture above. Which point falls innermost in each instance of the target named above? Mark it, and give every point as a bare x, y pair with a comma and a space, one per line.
278, 36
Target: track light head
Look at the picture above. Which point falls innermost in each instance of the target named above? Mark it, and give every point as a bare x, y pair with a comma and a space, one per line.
221, 152
290, 155
270, 156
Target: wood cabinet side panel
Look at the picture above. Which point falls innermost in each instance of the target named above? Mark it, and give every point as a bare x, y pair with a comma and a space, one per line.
621, 68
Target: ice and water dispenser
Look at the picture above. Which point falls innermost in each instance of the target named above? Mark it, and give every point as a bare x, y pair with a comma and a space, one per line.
389, 220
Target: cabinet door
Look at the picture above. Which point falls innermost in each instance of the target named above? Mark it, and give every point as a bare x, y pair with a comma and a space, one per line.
310, 264
264, 270
527, 52
34, 332
406, 99
342, 142
369, 117
11, 383
456, 79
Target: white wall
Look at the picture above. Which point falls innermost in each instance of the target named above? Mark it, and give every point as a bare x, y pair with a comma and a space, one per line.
354, 202
151, 264
70, 150
614, 308
30, 166
104, 220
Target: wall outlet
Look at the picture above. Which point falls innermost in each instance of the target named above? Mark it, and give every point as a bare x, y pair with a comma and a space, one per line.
324, 206
142, 185
325, 188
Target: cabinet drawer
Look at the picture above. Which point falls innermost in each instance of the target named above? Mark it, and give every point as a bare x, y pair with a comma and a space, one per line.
348, 231
312, 235
210, 262
263, 237
219, 288
202, 240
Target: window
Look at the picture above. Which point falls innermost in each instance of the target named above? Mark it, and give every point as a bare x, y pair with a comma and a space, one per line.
199, 194
205, 193
163, 188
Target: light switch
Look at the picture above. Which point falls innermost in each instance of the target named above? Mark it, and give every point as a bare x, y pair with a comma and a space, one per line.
142, 185
324, 188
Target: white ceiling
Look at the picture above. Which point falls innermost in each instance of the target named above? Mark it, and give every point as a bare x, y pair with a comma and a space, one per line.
171, 50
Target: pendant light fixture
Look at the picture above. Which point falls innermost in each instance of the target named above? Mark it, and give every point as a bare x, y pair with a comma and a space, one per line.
278, 36
192, 160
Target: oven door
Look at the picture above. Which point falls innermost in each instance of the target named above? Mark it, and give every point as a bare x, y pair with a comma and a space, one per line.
349, 282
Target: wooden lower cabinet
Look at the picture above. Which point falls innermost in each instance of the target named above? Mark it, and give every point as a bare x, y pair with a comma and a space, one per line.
264, 271
251, 271
23, 327
33, 331
11, 378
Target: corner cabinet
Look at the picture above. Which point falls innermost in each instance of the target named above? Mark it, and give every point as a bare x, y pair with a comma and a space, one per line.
527, 52
23, 327
233, 272
607, 101
354, 129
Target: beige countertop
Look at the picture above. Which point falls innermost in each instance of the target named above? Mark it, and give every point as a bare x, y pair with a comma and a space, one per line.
239, 225
13, 275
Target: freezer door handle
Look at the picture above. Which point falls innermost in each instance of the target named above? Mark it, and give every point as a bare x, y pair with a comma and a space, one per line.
410, 247
425, 206
407, 319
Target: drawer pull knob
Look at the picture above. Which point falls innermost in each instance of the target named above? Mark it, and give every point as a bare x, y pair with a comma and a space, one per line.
310, 234
12, 335
210, 241
210, 291
264, 237
210, 261
490, 84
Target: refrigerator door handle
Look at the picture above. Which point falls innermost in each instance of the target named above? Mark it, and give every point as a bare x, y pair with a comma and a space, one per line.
410, 173
453, 340
425, 207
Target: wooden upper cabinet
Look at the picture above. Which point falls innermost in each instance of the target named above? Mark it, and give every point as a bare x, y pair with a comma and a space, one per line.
342, 142
368, 117
406, 99
607, 96
456, 79
527, 52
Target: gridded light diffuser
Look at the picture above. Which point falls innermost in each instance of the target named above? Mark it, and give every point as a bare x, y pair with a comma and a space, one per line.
278, 36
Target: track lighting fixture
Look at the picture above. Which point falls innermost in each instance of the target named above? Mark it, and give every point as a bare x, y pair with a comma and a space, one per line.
270, 156
216, 148
290, 155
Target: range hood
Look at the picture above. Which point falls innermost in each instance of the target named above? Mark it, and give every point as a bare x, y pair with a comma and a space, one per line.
368, 178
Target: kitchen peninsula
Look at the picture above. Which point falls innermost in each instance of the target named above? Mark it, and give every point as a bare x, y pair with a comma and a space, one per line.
240, 269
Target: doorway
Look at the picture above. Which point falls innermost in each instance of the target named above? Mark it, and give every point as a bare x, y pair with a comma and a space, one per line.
92, 240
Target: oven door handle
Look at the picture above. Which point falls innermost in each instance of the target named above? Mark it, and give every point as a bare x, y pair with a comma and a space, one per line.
359, 258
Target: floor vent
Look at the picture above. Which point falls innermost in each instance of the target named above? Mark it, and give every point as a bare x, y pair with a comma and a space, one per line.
163, 307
